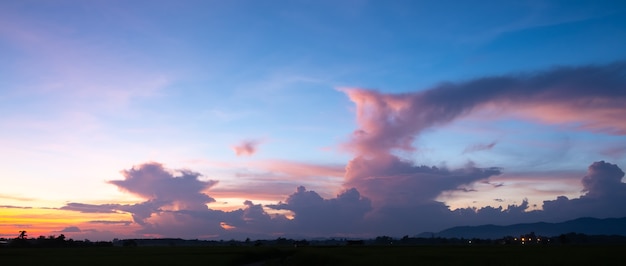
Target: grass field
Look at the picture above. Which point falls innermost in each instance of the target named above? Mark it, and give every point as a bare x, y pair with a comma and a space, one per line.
365, 255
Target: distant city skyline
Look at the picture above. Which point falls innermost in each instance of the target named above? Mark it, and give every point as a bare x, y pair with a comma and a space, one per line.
235, 119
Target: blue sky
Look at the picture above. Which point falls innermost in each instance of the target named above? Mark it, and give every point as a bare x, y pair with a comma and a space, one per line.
90, 89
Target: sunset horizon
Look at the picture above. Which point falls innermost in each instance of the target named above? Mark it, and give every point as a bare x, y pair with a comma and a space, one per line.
264, 119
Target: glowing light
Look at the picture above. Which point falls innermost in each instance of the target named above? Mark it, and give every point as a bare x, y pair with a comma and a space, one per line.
227, 226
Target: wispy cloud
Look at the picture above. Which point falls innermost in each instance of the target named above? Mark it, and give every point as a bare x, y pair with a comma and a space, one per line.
300, 169
479, 147
90, 208
13, 197
110, 222
15, 207
615, 152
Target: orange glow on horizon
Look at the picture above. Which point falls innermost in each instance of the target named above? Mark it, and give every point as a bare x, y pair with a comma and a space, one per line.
45, 222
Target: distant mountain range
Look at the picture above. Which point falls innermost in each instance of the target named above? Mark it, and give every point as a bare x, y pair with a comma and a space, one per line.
588, 226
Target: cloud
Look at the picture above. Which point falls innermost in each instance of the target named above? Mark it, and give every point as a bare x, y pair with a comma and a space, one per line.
90, 208
479, 147
587, 97
386, 193
604, 180
175, 206
273, 180
387, 179
163, 189
300, 169
12, 197
246, 148
615, 152
15, 207
603, 189
70, 229
404, 204
110, 222
139, 211
151, 181
316, 215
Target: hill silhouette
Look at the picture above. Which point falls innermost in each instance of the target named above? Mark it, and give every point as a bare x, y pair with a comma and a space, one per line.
586, 225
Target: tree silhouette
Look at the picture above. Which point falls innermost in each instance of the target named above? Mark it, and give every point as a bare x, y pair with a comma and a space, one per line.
22, 235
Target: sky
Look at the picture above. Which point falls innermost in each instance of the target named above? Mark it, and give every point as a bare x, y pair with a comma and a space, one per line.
265, 119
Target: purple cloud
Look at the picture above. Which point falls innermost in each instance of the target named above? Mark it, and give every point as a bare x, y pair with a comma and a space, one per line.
604, 180
603, 189
315, 215
391, 180
407, 210
587, 98
153, 182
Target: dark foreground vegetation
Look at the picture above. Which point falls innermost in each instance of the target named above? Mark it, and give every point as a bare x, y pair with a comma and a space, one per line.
528, 249
320, 255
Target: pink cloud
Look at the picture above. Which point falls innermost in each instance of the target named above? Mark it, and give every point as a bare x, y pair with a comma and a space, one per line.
246, 148
300, 169
590, 97
275, 179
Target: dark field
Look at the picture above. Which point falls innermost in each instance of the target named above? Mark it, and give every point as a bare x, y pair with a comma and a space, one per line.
365, 255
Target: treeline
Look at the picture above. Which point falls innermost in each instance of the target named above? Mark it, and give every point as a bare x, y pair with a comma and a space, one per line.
52, 241
527, 239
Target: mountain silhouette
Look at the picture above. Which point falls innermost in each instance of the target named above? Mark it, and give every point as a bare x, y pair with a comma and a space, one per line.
586, 225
